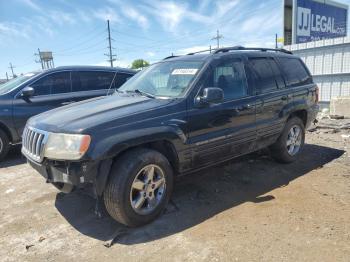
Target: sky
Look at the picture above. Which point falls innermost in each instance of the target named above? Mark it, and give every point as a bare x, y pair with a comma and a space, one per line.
76, 30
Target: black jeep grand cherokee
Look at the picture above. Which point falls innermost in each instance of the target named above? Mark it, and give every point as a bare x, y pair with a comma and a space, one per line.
177, 116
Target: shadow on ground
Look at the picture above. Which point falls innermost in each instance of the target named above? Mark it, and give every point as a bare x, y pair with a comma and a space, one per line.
199, 196
13, 158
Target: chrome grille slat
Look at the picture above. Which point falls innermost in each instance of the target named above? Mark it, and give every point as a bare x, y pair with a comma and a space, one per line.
25, 133
38, 144
33, 141
24, 137
27, 137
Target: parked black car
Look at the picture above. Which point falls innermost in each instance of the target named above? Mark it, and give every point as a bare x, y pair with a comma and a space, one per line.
36, 92
177, 116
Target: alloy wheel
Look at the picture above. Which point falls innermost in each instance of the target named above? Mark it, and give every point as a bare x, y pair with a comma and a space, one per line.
294, 140
148, 189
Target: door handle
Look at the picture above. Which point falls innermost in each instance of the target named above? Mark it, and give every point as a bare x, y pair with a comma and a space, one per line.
286, 97
246, 107
243, 107
67, 103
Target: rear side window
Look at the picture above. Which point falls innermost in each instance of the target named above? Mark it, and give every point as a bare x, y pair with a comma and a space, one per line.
277, 73
294, 71
55, 83
120, 79
91, 80
265, 80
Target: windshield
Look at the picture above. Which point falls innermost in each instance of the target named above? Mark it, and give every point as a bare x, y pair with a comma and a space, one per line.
13, 83
166, 79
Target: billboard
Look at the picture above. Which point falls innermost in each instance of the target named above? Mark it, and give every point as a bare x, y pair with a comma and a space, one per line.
313, 20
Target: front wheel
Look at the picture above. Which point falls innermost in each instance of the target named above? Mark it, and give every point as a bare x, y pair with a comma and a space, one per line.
139, 187
291, 141
4, 144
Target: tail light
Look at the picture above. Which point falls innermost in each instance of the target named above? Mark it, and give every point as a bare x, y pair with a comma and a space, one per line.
317, 95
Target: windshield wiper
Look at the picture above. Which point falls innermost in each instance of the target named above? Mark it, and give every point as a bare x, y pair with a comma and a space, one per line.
138, 91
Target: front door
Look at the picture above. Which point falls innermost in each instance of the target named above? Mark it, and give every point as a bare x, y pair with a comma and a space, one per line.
51, 91
220, 131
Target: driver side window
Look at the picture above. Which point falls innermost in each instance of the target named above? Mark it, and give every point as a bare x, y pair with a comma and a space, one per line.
55, 83
230, 77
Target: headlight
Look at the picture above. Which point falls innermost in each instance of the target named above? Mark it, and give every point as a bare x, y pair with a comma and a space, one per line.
66, 146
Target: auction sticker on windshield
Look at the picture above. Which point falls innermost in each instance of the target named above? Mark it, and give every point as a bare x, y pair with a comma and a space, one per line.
185, 71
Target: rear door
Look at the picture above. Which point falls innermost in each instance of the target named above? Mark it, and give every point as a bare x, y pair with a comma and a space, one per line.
298, 79
223, 130
89, 84
51, 91
272, 97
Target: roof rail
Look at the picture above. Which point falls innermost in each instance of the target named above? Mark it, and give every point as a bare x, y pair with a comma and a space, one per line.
172, 56
202, 51
236, 48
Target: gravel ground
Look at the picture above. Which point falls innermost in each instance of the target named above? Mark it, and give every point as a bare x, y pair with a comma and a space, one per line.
251, 209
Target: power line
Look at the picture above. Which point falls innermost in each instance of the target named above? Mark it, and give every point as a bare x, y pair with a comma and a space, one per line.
91, 51
90, 47
79, 44
203, 30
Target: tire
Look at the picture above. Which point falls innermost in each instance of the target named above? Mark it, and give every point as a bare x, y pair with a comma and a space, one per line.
282, 149
4, 145
130, 198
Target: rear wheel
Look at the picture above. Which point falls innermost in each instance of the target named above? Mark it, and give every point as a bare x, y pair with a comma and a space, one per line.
139, 187
4, 145
291, 141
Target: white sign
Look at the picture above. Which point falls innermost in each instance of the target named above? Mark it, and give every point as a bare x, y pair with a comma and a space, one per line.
185, 71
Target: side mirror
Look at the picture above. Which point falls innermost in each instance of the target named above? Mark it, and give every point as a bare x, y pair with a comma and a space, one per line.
210, 95
27, 92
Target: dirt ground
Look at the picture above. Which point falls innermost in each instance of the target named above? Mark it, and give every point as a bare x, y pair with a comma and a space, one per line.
251, 209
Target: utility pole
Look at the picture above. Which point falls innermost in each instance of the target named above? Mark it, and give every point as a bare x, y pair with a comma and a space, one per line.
210, 49
12, 67
111, 56
40, 59
276, 41
7, 77
217, 38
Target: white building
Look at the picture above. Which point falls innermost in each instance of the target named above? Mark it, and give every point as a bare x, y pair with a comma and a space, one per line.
329, 63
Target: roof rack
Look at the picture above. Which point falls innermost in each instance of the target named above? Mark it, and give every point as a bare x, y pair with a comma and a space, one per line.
236, 48
172, 56
202, 51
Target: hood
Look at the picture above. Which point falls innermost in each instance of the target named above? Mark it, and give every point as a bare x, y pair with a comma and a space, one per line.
77, 117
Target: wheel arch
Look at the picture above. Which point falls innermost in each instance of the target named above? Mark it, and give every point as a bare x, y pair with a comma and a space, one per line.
7, 131
301, 113
165, 143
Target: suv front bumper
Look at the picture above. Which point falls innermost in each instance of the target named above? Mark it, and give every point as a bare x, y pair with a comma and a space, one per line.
74, 173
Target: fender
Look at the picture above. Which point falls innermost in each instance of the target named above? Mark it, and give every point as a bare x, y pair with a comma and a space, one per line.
11, 133
293, 107
111, 146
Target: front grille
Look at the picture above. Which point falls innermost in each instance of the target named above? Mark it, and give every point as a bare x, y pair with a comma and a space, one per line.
33, 141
